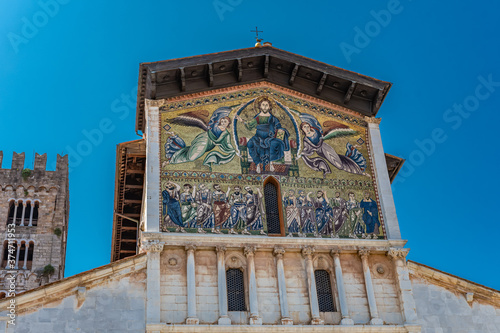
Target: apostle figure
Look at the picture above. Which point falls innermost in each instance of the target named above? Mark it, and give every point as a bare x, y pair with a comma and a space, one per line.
292, 213
339, 215
355, 219
237, 200
188, 206
324, 214
204, 212
370, 216
171, 206
221, 208
307, 214
270, 140
253, 206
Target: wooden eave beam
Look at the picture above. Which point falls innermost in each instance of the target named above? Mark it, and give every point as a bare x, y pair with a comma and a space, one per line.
321, 83
293, 75
153, 85
182, 78
239, 69
378, 101
349, 92
266, 66
210, 74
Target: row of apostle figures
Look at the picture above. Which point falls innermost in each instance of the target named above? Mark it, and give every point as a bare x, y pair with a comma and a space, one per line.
240, 210
335, 217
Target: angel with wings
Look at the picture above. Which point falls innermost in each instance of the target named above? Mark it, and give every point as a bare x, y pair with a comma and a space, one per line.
314, 142
215, 134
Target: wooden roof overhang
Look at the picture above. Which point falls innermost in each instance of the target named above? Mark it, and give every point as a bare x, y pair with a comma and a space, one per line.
177, 77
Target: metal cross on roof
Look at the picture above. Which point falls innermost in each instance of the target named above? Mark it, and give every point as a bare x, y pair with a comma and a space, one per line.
257, 34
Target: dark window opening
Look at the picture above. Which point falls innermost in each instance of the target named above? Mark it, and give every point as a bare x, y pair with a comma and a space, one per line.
27, 213
34, 221
324, 291
12, 207
235, 290
271, 198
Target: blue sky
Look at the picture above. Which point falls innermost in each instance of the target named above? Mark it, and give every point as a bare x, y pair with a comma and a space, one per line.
66, 69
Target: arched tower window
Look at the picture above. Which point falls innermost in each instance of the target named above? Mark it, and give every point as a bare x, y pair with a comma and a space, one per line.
34, 220
12, 208
324, 290
235, 290
19, 212
274, 210
27, 213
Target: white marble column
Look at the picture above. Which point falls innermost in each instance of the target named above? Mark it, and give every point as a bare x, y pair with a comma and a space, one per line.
31, 215
153, 170
279, 252
16, 205
222, 286
344, 309
192, 318
22, 215
255, 319
153, 301
370, 292
17, 255
307, 253
406, 300
26, 248
382, 178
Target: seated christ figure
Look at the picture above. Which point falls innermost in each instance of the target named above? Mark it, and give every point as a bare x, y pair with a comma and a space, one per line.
270, 140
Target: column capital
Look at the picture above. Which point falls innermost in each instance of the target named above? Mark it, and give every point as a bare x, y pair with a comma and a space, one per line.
249, 250
308, 251
220, 249
396, 253
363, 253
153, 246
373, 120
190, 247
335, 252
279, 252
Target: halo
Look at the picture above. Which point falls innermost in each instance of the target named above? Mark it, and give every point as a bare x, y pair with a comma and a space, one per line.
257, 102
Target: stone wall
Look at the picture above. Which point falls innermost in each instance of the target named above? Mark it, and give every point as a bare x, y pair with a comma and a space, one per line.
51, 190
442, 310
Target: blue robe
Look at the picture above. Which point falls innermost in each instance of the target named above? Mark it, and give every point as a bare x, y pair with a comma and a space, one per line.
371, 221
324, 214
172, 208
264, 146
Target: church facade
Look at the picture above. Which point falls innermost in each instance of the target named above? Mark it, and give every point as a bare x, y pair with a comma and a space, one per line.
265, 206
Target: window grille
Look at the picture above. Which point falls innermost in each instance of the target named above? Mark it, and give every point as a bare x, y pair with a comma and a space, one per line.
324, 291
235, 290
272, 208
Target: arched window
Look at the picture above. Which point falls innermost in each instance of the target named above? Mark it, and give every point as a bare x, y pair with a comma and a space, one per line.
31, 248
272, 199
235, 290
19, 212
27, 213
34, 220
324, 291
12, 208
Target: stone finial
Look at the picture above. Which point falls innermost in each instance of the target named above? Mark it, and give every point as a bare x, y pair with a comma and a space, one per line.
17, 161
279, 252
469, 297
308, 251
40, 162
249, 250
153, 246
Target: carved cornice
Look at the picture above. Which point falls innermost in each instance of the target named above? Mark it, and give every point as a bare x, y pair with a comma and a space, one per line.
249, 250
373, 120
279, 252
397, 253
153, 246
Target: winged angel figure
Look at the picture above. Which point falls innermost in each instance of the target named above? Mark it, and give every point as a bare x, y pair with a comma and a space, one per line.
215, 134
314, 142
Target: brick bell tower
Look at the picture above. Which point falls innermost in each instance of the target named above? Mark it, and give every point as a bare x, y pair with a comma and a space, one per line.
265, 197
34, 205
